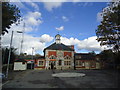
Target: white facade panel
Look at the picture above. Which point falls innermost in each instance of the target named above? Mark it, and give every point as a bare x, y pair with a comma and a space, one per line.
20, 66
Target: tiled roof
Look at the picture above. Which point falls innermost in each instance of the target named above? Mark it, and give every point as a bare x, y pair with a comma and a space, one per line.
20, 60
84, 56
61, 46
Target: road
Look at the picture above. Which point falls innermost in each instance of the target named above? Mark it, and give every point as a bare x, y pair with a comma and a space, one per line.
44, 79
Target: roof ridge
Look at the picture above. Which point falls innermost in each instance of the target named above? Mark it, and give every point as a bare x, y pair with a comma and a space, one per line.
60, 46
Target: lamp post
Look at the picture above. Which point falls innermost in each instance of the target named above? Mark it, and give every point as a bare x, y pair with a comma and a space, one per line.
9, 56
10, 53
22, 38
21, 41
32, 56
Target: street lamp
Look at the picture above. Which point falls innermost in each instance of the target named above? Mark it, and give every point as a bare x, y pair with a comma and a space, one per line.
10, 53
22, 37
21, 41
32, 56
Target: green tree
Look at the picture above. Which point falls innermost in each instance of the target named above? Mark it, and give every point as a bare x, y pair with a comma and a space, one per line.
5, 53
108, 32
92, 53
37, 56
10, 15
108, 58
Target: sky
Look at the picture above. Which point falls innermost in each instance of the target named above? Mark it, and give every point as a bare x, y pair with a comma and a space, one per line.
76, 22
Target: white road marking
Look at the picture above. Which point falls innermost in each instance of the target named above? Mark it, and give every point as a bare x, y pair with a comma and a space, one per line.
4, 83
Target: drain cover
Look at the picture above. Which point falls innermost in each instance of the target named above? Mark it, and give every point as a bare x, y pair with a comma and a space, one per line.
68, 75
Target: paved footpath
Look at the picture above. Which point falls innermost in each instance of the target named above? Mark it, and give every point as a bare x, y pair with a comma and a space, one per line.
44, 79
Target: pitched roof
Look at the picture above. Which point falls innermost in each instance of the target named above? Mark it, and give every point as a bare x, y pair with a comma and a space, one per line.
20, 60
58, 35
60, 46
84, 56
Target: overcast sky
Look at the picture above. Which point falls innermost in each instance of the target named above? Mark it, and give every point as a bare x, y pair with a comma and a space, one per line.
76, 22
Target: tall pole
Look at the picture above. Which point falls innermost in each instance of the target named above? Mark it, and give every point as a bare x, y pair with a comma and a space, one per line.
32, 56
9, 56
22, 38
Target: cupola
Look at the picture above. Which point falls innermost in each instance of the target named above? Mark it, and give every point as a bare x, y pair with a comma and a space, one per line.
57, 39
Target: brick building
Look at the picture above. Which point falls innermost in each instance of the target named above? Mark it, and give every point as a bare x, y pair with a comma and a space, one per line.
86, 61
39, 63
59, 55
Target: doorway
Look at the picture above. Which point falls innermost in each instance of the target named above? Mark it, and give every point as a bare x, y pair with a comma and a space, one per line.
30, 65
52, 64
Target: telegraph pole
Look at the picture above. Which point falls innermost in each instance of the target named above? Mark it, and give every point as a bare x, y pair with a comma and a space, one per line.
9, 56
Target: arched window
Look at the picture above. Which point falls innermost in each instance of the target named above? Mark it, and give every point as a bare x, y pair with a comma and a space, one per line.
52, 57
67, 57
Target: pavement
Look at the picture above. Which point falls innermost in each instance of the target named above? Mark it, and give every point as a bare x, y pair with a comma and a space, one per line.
44, 79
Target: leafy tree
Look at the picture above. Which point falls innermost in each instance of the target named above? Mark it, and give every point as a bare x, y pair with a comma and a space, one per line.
108, 32
5, 54
92, 53
108, 57
37, 56
10, 15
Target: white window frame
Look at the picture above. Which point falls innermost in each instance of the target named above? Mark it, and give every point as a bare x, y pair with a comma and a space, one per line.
41, 64
80, 63
67, 63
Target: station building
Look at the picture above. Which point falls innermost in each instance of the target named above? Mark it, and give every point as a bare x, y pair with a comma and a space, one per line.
60, 56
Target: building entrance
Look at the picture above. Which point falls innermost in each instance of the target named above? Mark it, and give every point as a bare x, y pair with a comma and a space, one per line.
52, 64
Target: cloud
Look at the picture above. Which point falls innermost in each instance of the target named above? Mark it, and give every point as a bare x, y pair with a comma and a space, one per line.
45, 38
70, 41
29, 41
51, 5
60, 28
89, 44
34, 5
61, 0
33, 18
99, 16
32, 21
65, 18
39, 43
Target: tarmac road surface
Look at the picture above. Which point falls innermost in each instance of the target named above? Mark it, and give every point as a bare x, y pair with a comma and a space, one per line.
44, 79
